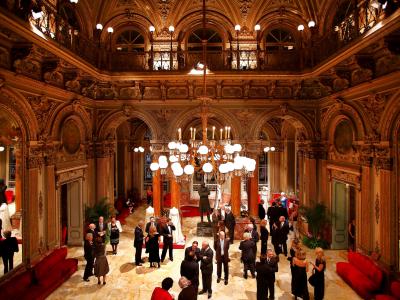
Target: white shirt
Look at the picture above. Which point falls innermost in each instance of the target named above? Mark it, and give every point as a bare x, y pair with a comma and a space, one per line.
222, 246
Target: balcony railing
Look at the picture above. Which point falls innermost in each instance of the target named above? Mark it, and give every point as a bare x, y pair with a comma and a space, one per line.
307, 55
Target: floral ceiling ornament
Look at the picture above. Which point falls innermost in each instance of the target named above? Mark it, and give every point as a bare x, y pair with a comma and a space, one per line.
164, 7
245, 7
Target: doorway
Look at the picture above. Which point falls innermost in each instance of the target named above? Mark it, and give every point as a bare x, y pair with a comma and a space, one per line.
343, 211
71, 214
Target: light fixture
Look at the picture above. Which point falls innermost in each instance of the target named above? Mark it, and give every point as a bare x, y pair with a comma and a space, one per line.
138, 149
300, 27
2, 148
99, 26
73, 1
311, 24
237, 27
171, 28
110, 30
257, 27
152, 29
269, 149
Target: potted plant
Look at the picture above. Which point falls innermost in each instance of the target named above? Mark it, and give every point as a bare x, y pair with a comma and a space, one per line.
317, 218
101, 208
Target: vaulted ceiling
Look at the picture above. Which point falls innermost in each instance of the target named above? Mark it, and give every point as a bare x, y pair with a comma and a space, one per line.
226, 13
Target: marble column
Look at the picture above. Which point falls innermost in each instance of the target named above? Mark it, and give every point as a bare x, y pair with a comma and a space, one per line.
253, 193
105, 171
157, 193
175, 193
235, 195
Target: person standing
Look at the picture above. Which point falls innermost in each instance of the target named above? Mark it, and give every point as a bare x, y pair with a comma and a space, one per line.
88, 249
138, 243
151, 223
114, 227
215, 218
190, 269
101, 267
3, 188
275, 238
206, 267
101, 229
283, 232
282, 211
248, 258
261, 210
7, 248
294, 247
264, 236
272, 215
196, 251
319, 269
222, 256
352, 235
92, 230
166, 232
188, 291
266, 269
204, 203
149, 196
161, 293
300, 269
152, 246
255, 237
230, 223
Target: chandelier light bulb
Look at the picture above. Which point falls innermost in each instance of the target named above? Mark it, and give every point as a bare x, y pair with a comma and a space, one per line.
222, 168
207, 167
136, 149
171, 28
2, 148
110, 30
175, 166
300, 27
257, 27
99, 26
238, 162
237, 147
311, 24
178, 171
154, 166
173, 159
230, 166
141, 149
152, 28
73, 1
189, 169
162, 158
266, 149
183, 148
171, 145
163, 164
203, 150
237, 27
272, 148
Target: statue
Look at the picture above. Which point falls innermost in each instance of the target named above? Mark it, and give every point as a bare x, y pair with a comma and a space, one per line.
204, 203
177, 234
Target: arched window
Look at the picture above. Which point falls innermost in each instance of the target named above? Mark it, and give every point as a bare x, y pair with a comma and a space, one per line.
130, 41
279, 39
214, 40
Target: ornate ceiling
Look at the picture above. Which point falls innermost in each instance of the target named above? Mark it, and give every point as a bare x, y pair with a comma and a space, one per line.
224, 13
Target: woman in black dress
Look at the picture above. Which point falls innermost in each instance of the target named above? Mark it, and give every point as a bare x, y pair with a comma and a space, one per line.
114, 234
152, 246
300, 269
319, 269
292, 254
264, 236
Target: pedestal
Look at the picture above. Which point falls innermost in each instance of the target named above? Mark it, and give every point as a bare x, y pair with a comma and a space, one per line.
204, 229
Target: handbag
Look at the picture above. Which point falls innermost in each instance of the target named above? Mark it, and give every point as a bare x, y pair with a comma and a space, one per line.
312, 279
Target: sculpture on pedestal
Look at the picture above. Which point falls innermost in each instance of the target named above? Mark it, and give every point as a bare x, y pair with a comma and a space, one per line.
204, 203
178, 237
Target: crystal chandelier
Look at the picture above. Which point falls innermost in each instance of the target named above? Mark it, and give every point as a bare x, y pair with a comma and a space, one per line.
216, 159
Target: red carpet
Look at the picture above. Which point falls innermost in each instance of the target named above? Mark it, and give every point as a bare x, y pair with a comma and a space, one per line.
175, 246
190, 211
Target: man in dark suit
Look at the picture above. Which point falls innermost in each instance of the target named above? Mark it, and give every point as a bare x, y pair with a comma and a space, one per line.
190, 269
88, 249
151, 223
166, 232
282, 211
248, 258
272, 215
7, 248
206, 267
261, 210
101, 229
230, 223
266, 269
204, 204
195, 249
138, 243
283, 231
255, 237
221, 248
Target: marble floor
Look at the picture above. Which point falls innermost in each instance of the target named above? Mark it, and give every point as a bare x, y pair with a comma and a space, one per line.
126, 281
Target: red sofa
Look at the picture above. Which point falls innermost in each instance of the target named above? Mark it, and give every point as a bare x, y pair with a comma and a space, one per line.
394, 292
362, 274
44, 278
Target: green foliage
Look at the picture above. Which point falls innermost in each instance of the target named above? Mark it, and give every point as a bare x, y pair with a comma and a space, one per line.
318, 218
101, 208
313, 243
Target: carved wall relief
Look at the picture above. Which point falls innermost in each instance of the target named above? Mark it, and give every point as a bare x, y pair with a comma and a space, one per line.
71, 137
343, 137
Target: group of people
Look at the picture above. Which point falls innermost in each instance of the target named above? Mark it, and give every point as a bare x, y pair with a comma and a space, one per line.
95, 247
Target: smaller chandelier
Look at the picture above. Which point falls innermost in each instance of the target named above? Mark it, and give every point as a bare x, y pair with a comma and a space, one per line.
269, 149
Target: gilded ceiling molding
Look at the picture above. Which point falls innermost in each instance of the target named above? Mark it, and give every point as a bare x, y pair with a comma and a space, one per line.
390, 119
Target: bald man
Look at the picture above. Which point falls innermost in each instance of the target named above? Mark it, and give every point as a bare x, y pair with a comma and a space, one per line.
138, 243
206, 267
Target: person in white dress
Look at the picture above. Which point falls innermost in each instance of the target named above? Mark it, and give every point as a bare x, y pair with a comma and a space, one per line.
5, 218
178, 237
149, 214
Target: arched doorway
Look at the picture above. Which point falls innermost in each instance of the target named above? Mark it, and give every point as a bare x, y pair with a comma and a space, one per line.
11, 180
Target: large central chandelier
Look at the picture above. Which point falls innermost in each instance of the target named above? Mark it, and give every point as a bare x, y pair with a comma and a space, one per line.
216, 158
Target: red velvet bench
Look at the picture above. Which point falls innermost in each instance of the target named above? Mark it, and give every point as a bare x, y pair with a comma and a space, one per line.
394, 292
362, 274
43, 279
